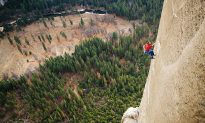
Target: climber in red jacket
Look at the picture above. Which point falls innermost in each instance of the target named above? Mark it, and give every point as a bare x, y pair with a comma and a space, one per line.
148, 49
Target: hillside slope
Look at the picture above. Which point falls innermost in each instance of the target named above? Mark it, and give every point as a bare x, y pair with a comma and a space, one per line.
175, 88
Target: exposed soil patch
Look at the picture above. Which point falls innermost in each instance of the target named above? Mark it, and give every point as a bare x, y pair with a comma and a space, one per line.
50, 38
72, 80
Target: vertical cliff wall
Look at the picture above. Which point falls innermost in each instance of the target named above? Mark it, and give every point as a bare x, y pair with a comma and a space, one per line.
175, 88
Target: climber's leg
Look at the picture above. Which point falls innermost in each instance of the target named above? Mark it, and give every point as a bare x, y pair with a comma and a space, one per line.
151, 53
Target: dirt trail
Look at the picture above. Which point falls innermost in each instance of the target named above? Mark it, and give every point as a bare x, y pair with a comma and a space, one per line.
12, 62
175, 88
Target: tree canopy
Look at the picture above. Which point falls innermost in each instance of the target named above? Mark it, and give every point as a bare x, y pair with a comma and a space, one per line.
97, 83
146, 10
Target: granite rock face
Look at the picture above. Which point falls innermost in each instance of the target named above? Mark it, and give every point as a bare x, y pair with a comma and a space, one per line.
175, 87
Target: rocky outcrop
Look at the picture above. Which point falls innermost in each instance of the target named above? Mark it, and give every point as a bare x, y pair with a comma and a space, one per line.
175, 88
131, 115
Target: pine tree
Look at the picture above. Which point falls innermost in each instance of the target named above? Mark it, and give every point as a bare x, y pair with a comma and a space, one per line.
82, 23
92, 23
26, 41
71, 22
10, 40
44, 23
44, 46
18, 41
63, 35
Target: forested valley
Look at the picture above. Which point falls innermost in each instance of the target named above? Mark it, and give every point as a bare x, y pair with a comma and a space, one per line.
28, 11
108, 77
148, 10
95, 84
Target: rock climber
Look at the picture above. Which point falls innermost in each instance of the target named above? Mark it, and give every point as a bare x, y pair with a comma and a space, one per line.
148, 49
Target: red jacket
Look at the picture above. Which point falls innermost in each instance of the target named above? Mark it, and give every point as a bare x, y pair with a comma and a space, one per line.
147, 47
